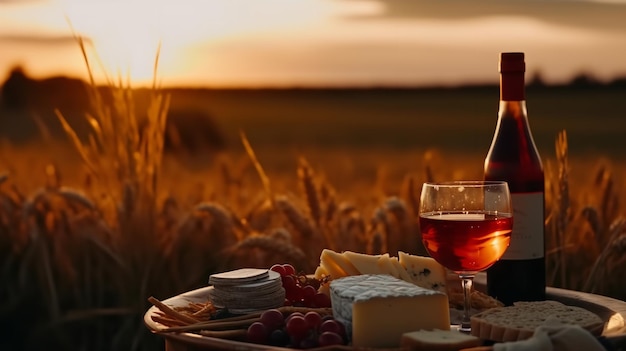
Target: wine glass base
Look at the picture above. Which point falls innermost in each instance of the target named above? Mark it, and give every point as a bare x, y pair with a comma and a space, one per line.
465, 328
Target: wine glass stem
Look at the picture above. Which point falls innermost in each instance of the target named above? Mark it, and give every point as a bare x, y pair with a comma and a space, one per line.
467, 280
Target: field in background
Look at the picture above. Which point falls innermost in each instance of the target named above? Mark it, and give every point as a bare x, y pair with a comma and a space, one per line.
356, 136
460, 119
343, 168
353, 134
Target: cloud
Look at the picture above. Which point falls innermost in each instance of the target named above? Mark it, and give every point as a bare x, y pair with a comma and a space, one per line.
586, 14
39, 39
20, 2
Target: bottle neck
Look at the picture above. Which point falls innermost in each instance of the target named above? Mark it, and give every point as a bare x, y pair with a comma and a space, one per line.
512, 86
515, 109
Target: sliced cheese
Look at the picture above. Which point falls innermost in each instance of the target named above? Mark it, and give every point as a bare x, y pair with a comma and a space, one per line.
336, 264
391, 265
385, 266
438, 340
320, 273
364, 263
424, 271
401, 271
379, 308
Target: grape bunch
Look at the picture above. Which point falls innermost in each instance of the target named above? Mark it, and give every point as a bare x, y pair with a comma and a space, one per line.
301, 331
300, 290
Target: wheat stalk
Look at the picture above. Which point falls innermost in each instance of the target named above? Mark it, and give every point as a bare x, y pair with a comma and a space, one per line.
265, 180
377, 241
409, 192
328, 196
428, 171
564, 199
600, 270
305, 175
352, 231
275, 247
294, 216
259, 218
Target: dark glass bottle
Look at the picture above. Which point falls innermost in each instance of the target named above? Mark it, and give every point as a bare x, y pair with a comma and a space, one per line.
520, 275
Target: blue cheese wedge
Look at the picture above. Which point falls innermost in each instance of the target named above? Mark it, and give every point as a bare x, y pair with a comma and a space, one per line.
424, 271
378, 309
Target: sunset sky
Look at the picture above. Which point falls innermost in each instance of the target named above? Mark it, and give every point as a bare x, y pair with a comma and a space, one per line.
315, 42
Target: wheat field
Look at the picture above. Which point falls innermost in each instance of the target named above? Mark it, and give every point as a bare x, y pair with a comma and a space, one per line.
89, 231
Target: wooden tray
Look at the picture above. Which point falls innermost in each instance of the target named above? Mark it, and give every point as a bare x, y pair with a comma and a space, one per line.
611, 310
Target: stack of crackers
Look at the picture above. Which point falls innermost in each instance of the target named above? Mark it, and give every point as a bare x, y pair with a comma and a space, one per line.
246, 290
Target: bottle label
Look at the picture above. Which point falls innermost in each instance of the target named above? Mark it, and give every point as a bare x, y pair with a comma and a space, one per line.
527, 238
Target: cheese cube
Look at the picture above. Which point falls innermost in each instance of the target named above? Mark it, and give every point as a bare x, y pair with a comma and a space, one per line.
378, 309
424, 271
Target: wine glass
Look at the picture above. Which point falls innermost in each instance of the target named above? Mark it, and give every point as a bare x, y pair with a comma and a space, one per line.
466, 227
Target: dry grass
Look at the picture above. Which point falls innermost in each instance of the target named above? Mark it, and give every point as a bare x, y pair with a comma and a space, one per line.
78, 263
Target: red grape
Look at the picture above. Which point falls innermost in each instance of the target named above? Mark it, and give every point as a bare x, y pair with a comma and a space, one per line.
279, 337
289, 269
300, 290
257, 333
314, 282
308, 342
321, 300
297, 327
327, 317
289, 283
293, 315
332, 325
329, 338
294, 294
313, 319
308, 292
272, 319
279, 268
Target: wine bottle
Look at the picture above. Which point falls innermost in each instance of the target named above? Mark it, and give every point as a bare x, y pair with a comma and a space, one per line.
520, 275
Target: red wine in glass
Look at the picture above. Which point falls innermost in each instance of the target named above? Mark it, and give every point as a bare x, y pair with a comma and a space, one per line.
469, 241
466, 226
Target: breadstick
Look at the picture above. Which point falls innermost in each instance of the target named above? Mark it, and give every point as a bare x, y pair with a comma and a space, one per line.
167, 321
171, 312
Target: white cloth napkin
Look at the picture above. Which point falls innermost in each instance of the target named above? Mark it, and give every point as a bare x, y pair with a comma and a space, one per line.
553, 335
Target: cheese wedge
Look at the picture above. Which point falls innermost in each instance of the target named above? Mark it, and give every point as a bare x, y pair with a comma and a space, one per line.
424, 271
377, 309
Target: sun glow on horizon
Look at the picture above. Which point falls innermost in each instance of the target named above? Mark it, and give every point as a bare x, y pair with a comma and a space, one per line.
126, 34
226, 43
